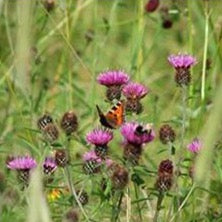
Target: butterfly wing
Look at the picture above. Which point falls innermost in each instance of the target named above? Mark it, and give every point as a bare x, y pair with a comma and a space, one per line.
115, 117
103, 119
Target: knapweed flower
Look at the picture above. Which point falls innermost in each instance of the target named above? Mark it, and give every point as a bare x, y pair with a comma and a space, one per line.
182, 64
100, 138
195, 146
119, 177
69, 122
61, 157
165, 176
71, 216
82, 196
113, 80
167, 134
92, 162
23, 165
134, 92
49, 165
152, 5
133, 136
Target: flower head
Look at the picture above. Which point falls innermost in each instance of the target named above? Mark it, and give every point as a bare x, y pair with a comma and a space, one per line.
134, 90
182, 61
113, 78
49, 165
91, 156
195, 146
130, 134
22, 163
99, 137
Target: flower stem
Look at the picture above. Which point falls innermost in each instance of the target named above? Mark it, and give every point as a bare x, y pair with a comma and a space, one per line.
203, 79
73, 191
158, 206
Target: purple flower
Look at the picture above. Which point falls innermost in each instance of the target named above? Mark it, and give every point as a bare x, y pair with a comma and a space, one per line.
49, 165
91, 156
108, 162
22, 163
113, 77
99, 137
134, 90
136, 134
182, 61
195, 146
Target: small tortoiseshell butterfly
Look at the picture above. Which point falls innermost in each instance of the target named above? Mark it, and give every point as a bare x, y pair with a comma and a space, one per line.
114, 117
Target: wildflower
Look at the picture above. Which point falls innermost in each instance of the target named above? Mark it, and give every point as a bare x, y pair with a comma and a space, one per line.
182, 64
119, 177
69, 122
130, 134
49, 5
54, 194
165, 176
51, 132
44, 121
100, 138
134, 92
166, 134
113, 80
195, 146
71, 216
167, 21
23, 165
49, 165
61, 157
92, 162
82, 196
152, 5
135, 135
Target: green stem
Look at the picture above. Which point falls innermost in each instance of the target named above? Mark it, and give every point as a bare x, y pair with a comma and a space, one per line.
158, 206
138, 204
117, 209
203, 79
73, 191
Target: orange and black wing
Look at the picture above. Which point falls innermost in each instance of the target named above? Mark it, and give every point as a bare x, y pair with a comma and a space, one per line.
115, 117
103, 119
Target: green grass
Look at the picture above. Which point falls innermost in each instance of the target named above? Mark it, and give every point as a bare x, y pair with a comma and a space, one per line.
47, 64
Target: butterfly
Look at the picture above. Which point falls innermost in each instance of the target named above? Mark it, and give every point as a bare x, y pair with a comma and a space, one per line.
141, 130
114, 118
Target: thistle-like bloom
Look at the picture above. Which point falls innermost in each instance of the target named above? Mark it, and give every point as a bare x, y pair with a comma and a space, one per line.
91, 156
49, 165
92, 162
134, 90
165, 176
22, 163
152, 5
195, 146
182, 64
130, 134
113, 78
182, 61
99, 137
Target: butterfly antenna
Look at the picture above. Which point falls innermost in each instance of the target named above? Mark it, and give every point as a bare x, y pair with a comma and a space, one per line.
99, 111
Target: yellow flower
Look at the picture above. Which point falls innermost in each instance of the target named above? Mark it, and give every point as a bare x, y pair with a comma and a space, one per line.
54, 194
